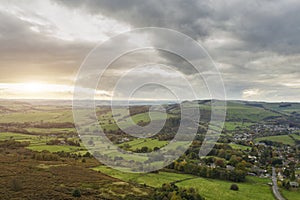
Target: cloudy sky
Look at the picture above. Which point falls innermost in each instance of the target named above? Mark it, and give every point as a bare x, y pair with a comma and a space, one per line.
255, 45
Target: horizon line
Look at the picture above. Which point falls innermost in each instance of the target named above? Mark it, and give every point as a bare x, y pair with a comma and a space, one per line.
141, 100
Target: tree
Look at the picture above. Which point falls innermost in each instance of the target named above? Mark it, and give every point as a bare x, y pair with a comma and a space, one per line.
91, 143
233, 160
220, 162
156, 148
171, 191
144, 149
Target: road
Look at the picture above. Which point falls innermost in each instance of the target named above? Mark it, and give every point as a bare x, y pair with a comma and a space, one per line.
275, 186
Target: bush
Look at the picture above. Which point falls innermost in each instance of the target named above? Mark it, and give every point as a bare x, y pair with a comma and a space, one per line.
171, 191
234, 187
76, 193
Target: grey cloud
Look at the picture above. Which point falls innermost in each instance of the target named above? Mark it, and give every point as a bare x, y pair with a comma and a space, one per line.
26, 54
263, 25
176, 14
256, 43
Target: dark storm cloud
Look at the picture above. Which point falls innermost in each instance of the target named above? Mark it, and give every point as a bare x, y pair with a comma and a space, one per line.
262, 24
180, 15
255, 43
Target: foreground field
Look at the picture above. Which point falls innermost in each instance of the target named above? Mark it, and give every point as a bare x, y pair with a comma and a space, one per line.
253, 188
23, 177
290, 195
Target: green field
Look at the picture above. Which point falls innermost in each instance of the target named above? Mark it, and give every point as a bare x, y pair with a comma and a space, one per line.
151, 179
107, 123
147, 142
295, 107
54, 148
37, 116
254, 188
290, 195
38, 143
238, 146
54, 131
284, 139
231, 126
238, 112
296, 136
17, 136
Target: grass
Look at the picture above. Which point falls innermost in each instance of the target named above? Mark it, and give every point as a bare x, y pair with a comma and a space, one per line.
108, 124
37, 116
238, 146
151, 179
290, 195
53, 131
47, 166
284, 139
147, 142
53, 148
17, 136
38, 143
296, 136
231, 126
211, 189
286, 110
238, 112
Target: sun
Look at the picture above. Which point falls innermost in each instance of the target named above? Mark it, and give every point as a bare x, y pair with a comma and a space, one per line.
33, 87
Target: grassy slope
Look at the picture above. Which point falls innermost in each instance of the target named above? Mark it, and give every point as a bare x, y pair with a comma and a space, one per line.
285, 139
290, 195
285, 110
238, 112
238, 146
37, 116
297, 137
254, 188
230, 126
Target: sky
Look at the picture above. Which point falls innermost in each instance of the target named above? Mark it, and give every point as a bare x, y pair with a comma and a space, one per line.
254, 44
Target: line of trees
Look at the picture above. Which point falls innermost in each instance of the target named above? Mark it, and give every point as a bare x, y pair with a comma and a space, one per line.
236, 175
171, 191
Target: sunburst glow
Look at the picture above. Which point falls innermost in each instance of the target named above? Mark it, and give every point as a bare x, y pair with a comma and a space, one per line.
34, 87
34, 90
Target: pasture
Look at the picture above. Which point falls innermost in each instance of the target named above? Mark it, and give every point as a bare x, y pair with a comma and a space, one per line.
284, 139
144, 142
253, 188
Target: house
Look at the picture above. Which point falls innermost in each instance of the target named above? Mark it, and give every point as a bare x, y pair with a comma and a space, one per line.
280, 177
212, 165
270, 183
251, 174
294, 184
230, 168
260, 144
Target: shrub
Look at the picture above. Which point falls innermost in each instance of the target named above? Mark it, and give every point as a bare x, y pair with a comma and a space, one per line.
234, 187
76, 193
